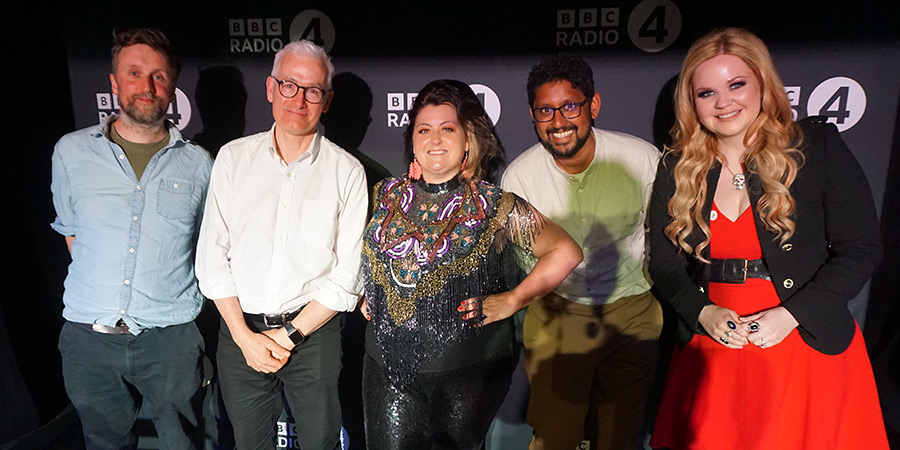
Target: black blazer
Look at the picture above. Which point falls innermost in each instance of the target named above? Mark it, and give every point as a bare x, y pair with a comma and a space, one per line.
832, 253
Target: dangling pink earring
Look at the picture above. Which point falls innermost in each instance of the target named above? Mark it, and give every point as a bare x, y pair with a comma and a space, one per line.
462, 167
415, 170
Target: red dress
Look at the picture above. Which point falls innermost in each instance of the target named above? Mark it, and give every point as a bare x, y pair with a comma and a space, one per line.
787, 396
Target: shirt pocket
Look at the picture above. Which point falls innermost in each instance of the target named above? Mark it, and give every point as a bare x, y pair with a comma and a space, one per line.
176, 200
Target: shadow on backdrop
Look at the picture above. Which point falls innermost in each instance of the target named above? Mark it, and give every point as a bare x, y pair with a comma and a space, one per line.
664, 115
346, 123
221, 100
348, 119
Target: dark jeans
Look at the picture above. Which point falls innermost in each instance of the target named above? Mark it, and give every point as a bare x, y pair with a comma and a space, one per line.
109, 376
309, 381
450, 409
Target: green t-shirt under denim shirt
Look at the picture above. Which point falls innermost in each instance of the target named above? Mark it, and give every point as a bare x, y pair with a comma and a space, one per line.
138, 154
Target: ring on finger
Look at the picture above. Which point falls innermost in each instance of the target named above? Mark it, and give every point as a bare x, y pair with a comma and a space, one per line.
723, 340
731, 324
753, 326
728, 334
762, 343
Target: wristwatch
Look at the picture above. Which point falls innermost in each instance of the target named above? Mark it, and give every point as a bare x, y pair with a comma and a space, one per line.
296, 336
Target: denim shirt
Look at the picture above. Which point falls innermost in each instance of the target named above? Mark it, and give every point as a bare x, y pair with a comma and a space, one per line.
132, 258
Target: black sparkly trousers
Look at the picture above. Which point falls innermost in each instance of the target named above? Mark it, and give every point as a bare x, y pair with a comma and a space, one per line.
450, 409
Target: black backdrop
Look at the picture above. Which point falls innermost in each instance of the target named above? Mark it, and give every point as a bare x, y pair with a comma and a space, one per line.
57, 58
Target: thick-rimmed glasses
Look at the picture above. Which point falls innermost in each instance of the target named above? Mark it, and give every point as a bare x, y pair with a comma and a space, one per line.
568, 111
289, 89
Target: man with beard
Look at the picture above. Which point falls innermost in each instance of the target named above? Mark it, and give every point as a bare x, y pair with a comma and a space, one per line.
591, 345
129, 195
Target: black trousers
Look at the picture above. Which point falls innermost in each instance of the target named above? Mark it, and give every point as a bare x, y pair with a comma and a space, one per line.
450, 409
309, 382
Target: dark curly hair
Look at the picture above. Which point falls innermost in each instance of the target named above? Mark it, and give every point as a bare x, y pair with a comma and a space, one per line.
484, 147
561, 67
151, 37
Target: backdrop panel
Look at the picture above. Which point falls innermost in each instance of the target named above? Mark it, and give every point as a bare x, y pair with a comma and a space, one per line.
836, 59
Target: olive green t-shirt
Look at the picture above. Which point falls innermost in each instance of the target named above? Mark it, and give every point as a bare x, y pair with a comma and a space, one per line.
138, 154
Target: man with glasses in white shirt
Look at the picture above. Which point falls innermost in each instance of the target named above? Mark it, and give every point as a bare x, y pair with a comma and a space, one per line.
279, 253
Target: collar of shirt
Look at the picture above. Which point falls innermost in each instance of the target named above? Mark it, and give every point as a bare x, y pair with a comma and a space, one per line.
176, 139
311, 153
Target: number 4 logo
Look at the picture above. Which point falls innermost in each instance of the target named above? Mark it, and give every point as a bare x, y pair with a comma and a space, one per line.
315, 26
654, 25
841, 99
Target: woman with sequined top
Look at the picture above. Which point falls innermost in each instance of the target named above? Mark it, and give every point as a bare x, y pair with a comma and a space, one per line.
442, 280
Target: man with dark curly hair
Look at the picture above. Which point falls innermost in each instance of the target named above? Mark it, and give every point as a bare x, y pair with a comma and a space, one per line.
590, 345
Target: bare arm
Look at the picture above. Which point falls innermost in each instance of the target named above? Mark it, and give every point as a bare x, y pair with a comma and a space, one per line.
557, 256
313, 316
69, 241
261, 353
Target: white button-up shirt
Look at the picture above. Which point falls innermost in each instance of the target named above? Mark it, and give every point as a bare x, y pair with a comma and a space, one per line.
277, 235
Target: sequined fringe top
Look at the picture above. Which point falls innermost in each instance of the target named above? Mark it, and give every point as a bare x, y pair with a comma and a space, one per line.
428, 248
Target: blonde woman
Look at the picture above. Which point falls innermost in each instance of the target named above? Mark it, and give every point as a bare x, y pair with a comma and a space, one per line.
761, 231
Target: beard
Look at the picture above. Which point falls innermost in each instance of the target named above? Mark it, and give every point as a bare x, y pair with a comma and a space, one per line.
563, 152
152, 114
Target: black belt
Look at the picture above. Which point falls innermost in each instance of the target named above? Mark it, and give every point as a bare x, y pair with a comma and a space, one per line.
272, 320
737, 271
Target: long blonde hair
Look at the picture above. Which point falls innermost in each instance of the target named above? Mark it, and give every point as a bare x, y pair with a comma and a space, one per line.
771, 142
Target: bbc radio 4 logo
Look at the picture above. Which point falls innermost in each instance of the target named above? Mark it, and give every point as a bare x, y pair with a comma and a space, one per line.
651, 26
179, 112
267, 35
399, 104
841, 99
286, 436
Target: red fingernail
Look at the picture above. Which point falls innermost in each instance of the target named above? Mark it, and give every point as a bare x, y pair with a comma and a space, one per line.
459, 308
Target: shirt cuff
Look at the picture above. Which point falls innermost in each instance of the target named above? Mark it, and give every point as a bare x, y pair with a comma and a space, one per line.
336, 299
62, 229
216, 291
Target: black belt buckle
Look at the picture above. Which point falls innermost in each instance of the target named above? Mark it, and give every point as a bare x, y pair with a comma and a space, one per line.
733, 271
278, 320
737, 270
743, 273
273, 320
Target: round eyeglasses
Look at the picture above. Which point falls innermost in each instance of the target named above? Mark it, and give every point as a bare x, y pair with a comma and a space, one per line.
289, 89
568, 111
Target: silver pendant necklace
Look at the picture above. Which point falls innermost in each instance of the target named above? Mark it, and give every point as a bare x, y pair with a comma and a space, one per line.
737, 179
